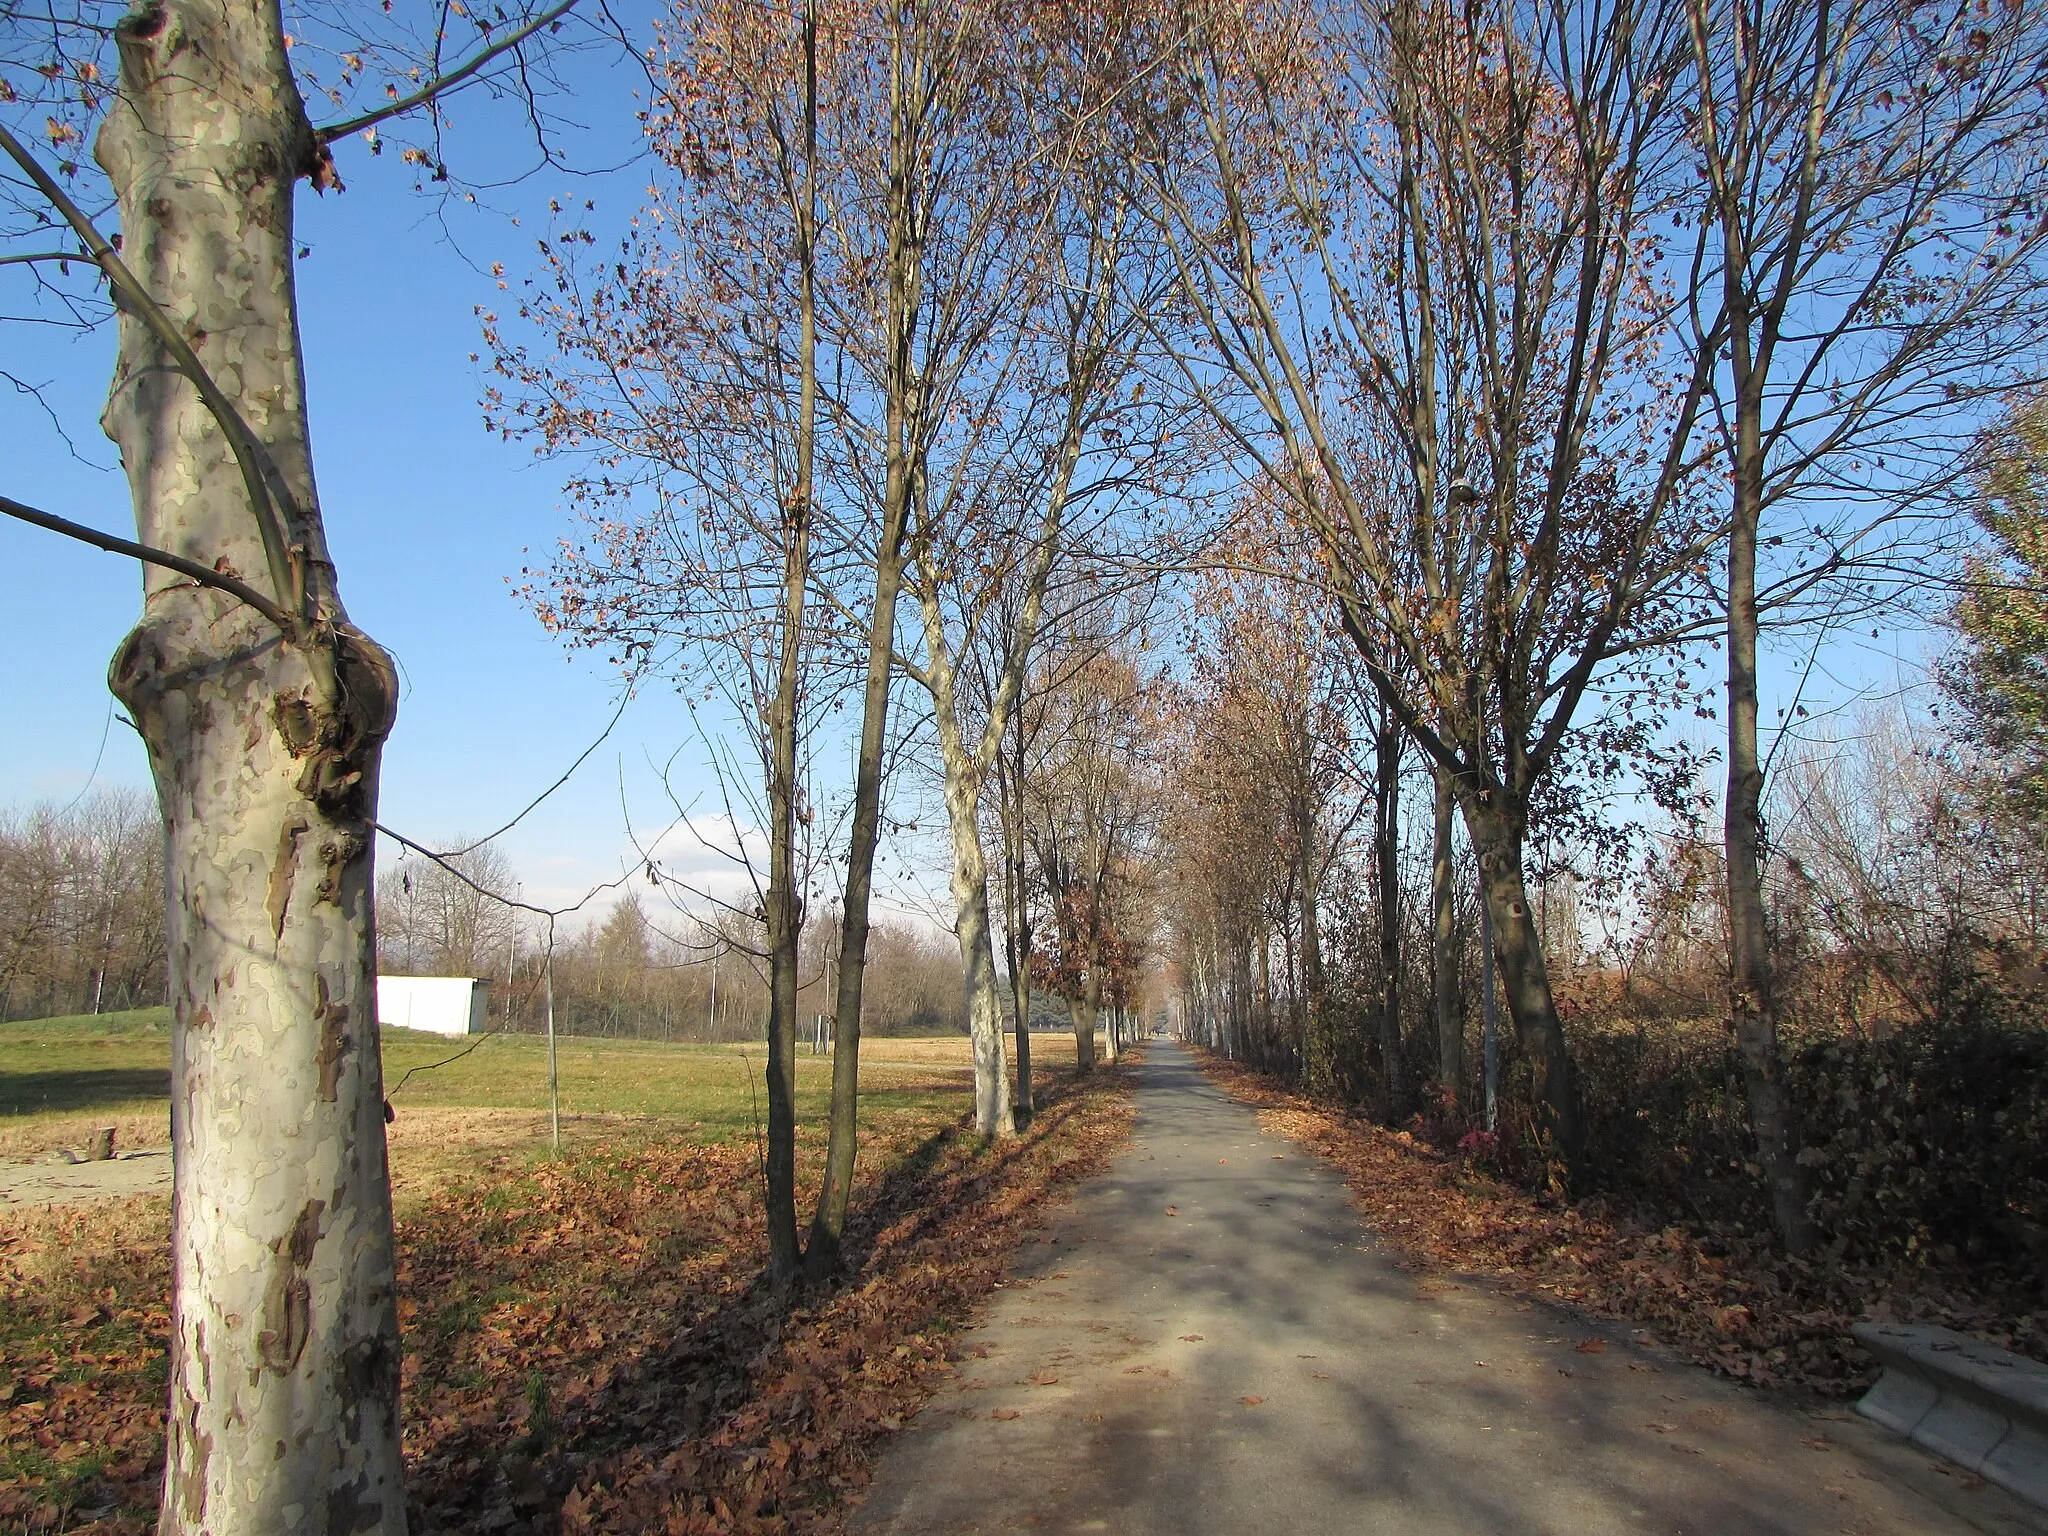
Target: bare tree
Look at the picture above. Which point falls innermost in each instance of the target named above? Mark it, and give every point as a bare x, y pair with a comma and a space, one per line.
1420, 243
81, 906
448, 917
1020, 500
1094, 804
1867, 285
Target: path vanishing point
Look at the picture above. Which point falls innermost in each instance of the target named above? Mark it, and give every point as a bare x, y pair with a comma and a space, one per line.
1208, 1340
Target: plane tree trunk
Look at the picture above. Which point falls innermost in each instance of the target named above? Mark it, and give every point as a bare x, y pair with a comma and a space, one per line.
1017, 914
264, 746
1387, 858
963, 779
1085, 1007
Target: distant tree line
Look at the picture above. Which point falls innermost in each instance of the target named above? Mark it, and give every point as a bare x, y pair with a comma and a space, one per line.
665, 976
81, 906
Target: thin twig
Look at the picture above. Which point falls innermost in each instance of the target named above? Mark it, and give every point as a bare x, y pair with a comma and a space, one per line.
440, 85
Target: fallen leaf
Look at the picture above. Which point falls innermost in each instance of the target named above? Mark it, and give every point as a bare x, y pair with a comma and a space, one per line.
1591, 1346
618, 1288
1191, 1338
1004, 1413
1251, 1402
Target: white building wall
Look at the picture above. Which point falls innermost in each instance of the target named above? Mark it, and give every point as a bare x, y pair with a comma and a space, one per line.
442, 1005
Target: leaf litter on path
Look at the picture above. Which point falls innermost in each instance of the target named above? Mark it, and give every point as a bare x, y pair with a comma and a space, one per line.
1724, 1298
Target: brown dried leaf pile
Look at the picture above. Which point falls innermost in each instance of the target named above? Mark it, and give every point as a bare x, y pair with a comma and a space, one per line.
590, 1346
1723, 1297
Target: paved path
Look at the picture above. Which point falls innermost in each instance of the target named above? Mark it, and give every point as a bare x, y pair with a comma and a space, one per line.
1208, 1341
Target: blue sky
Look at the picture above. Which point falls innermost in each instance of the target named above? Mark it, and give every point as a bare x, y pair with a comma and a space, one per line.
427, 513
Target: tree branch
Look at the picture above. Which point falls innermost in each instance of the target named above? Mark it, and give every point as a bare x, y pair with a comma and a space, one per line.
269, 504
441, 84
205, 576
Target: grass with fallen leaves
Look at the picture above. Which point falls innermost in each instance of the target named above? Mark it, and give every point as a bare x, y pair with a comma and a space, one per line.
1722, 1296
588, 1344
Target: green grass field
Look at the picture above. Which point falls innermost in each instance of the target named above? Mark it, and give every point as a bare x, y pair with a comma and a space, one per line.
60, 1077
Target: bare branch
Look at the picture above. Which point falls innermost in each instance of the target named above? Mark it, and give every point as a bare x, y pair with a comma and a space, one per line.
204, 575
441, 84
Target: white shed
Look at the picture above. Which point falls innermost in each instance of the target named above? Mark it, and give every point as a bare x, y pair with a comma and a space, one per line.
444, 1005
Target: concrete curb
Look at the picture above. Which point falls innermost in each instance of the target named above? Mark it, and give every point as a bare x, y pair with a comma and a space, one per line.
1984, 1408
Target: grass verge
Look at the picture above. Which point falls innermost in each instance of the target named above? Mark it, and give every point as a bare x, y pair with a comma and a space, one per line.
61, 1078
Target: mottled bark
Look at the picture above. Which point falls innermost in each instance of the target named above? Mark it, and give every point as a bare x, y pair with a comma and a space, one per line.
963, 776
265, 748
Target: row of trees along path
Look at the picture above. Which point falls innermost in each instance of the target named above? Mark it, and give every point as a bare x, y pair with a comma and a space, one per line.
1553, 340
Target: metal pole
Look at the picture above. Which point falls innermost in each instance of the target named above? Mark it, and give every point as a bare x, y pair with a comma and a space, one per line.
1491, 1036
554, 1080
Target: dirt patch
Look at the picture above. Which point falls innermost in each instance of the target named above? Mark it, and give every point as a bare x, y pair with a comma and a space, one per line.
32, 1138
54, 1180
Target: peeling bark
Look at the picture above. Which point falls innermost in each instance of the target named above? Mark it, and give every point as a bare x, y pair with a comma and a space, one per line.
964, 771
992, 1110
265, 751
